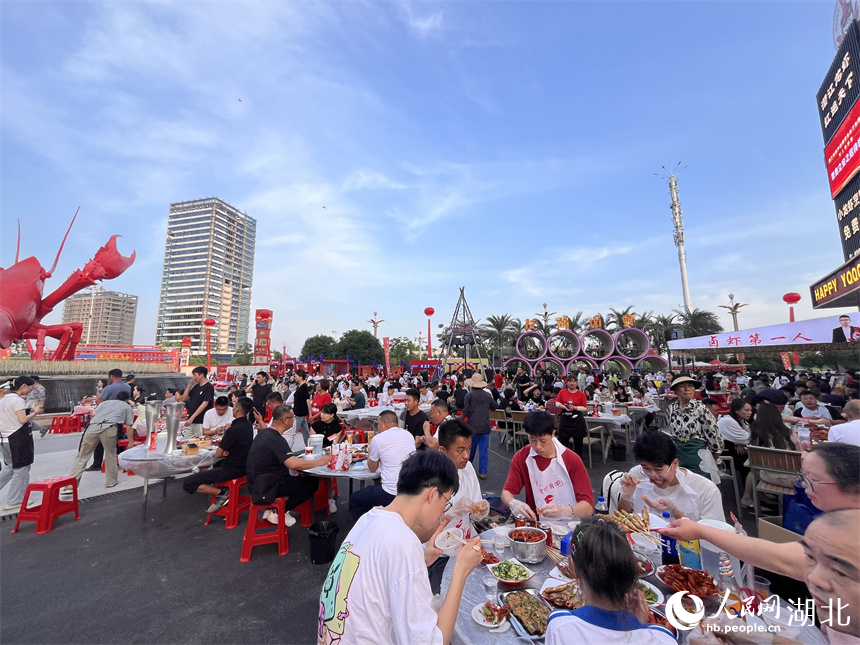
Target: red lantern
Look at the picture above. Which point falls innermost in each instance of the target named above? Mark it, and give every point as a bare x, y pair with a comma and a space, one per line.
791, 299
429, 311
209, 323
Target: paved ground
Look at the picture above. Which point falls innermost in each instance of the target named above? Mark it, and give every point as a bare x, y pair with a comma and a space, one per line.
113, 578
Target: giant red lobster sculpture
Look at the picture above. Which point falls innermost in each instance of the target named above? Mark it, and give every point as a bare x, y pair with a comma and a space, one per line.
22, 306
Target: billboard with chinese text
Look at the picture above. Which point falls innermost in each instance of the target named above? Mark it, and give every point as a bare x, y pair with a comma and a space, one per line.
841, 153
837, 329
848, 217
841, 86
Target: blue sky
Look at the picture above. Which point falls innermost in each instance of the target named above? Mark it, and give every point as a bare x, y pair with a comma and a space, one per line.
508, 147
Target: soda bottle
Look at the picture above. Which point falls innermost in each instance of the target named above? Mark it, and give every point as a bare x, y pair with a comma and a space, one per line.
601, 508
727, 583
670, 545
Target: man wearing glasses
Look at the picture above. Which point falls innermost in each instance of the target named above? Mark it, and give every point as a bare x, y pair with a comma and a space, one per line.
377, 589
661, 484
391, 445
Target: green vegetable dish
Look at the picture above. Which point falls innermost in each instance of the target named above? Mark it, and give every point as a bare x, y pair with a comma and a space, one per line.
650, 594
510, 571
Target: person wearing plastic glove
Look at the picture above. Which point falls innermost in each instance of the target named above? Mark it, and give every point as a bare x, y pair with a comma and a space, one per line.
661, 484
555, 479
455, 441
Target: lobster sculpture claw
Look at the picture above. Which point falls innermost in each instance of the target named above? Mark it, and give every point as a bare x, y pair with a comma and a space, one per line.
23, 306
109, 261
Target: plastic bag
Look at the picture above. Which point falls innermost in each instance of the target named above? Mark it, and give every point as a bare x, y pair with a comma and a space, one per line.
146, 463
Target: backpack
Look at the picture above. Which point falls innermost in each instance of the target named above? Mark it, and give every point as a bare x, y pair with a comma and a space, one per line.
611, 489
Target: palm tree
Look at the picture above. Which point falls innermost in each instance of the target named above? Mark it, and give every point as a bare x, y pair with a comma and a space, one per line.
578, 323
657, 327
545, 329
615, 320
698, 322
499, 329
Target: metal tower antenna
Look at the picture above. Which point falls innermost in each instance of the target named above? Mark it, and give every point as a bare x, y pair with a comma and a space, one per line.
678, 222
463, 330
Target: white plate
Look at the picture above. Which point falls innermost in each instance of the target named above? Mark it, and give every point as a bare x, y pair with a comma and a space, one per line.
552, 582
558, 575
659, 593
478, 617
511, 582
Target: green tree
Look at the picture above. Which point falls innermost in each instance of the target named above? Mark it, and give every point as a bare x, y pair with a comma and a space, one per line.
698, 322
401, 349
615, 320
764, 363
361, 346
498, 330
200, 359
657, 327
319, 344
244, 355
277, 355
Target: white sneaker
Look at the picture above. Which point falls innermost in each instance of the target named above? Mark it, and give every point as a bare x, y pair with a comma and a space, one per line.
332, 506
271, 516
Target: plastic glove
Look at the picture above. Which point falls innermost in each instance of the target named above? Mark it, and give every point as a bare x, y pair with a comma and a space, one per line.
480, 510
663, 505
521, 508
554, 511
628, 486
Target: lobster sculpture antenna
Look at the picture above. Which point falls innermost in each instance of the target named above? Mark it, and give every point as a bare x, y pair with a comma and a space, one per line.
62, 244
22, 306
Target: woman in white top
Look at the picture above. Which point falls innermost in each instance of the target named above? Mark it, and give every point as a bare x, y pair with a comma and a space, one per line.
615, 609
17, 440
735, 429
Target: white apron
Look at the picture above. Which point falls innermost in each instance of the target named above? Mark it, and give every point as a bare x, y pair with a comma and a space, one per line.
553, 485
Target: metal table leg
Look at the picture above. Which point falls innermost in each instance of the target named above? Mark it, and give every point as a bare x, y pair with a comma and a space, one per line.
145, 495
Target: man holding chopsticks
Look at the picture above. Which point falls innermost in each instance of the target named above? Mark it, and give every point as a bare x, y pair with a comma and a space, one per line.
377, 589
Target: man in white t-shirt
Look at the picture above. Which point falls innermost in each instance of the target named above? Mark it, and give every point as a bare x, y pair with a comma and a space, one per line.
455, 440
218, 419
426, 395
810, 408
659, 482
387, 396
390, 446
377, 590
848, 432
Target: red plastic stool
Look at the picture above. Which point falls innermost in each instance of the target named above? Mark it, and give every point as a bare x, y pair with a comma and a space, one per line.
73, 423
254, 538
56, 425
236, 504
51, 507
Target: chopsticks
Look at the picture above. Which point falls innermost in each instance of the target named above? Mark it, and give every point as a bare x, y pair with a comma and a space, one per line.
462, 541
555, 554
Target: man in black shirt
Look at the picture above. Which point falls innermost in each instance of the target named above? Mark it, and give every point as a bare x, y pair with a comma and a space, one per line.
259, 390
234, 449
522, 381
269, 464
415, 418
300, 404
199, 396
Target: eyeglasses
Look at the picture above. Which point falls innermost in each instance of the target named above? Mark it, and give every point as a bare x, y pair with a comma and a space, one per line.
659, 474
808, 483
448, 503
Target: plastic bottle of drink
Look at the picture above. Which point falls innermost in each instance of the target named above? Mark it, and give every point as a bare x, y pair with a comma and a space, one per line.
728, 583
601, 508
670, 545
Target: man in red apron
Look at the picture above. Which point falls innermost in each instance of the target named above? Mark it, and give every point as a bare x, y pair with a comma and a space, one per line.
554, 477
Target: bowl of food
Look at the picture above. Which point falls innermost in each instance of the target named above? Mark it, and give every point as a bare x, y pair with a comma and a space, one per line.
450, 541
644, 564
528, 544
511, 571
